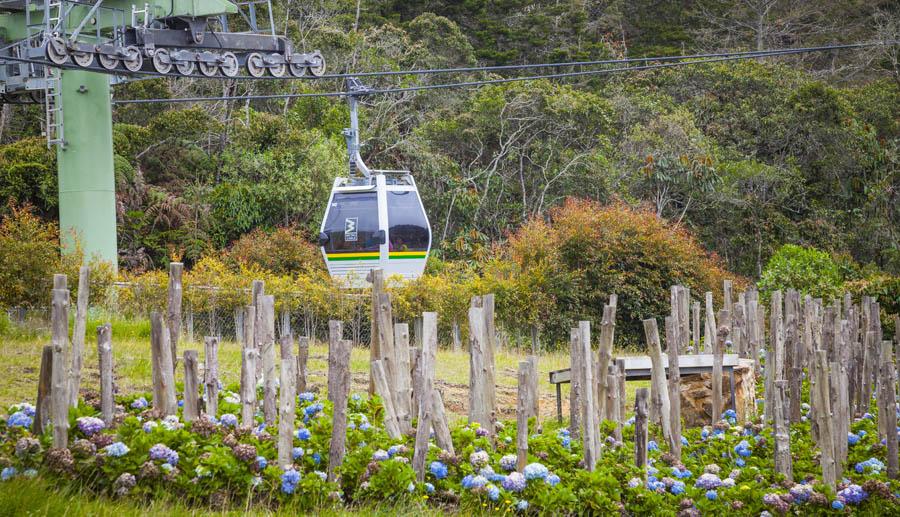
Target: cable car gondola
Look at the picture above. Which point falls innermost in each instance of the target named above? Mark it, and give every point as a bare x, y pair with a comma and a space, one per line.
374, 219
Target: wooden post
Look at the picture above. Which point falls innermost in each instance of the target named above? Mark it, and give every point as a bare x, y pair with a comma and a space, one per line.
104, 354
490, 347
782, 433
338, 392
384, 315
620, 393
285, 324
604, 355
457, 339
574, 384
265, 317
173, 309
479, 409
640, 430
238, 325
383, 389
727, 294
721, 335
81, 307
287, 402
823, 416
522, 410
841, 406
888, 400
59, 400
45, 382
439, 422
588, 412
695, 312
302, 358
659, 393
376, 276
739, 329
403, 389
711, 329
164, 401
249, 356
191, 386
211, 375
258, 290
793, 356
610, 391
426, 375
250, 342
674, 386
534, 387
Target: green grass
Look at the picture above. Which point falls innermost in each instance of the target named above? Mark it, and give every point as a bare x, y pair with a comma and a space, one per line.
36, 497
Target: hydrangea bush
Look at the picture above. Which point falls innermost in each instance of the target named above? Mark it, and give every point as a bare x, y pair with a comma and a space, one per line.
216, 462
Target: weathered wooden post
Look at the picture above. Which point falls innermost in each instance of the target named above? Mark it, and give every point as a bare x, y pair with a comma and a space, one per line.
775, 354
619, 400
522, 410
841, 404
287, 401
439, 422
81, 308
888, 401
479, 409
610, 393
490, 347
191, 410
302, 359
640, 429
258, 291
728, 295
793, 356
403, 388
59, 397
376, 277
574, 384
211, 374
384, 390
386, 354
604, 355
265, 317
674, 386
457, 336
823, 416
695, 313
173, 309
588, 412
104, 354
718, 352
534, 389
164, 400
249, 356
338, 392
711, 328
42, 410
782, 433
659, 393
426, 380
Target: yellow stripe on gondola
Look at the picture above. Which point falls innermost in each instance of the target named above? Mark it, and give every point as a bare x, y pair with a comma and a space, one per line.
407, 254
372, 255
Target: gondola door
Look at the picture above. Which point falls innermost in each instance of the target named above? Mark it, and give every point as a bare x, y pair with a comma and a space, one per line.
353, 236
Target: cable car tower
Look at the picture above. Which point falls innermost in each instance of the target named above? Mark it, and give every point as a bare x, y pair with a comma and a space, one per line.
65, 54
374, 217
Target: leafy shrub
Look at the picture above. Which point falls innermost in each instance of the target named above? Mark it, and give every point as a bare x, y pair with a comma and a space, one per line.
282, 251
29, 252
809, 270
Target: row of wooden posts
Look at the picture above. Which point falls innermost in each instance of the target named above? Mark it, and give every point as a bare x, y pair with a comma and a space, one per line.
839, 346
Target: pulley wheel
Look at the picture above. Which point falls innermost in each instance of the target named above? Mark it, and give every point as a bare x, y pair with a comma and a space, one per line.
207, 68
277, 69
297, 69
185, 67
317, 66
83, 59
133, 60
108, 62
255, 65
56, 51
230, 66
162, 61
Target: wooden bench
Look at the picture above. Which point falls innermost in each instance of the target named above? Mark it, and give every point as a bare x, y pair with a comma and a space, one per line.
637, 368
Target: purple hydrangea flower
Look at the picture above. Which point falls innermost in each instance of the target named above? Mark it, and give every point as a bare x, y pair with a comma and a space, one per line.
853, 494
508, 462
161, 452
380, 455
535, 471
139, 403
90, 425
514, 482
229, 420
708, 481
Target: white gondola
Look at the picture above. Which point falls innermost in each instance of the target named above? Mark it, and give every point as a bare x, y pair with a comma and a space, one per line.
374, 219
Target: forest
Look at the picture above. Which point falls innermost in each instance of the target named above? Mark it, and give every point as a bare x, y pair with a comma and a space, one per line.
743, 157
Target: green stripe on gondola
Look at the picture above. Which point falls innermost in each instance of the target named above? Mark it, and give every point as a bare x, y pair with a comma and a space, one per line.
332, 258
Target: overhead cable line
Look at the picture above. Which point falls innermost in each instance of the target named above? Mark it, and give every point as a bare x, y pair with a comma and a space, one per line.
684, 61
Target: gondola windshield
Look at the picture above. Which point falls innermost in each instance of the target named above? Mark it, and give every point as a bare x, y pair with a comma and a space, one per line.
408, 230
352, 224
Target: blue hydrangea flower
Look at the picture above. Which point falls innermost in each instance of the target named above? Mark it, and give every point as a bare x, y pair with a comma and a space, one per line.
323, 476
743, 449
356, 397
380, 455
229, 420
161, 452
873, 465
704, 434
740, 462
365, 426
837, 505
535, 471
393, 450
853, 494
261, 462
566, 442
19, 419
116, 449
712, 495
493, 493
429, 488
522, 505
652, 445
297, 453
681, 472
509, 462
139, 403
514, 482
438, 469
411, 487
307, 396
634, 482
8, 473
289, 481
303, 434
317, 458
30, 473
148, 427
684, 441
677, 488
852, 439
552, 479
478, 481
